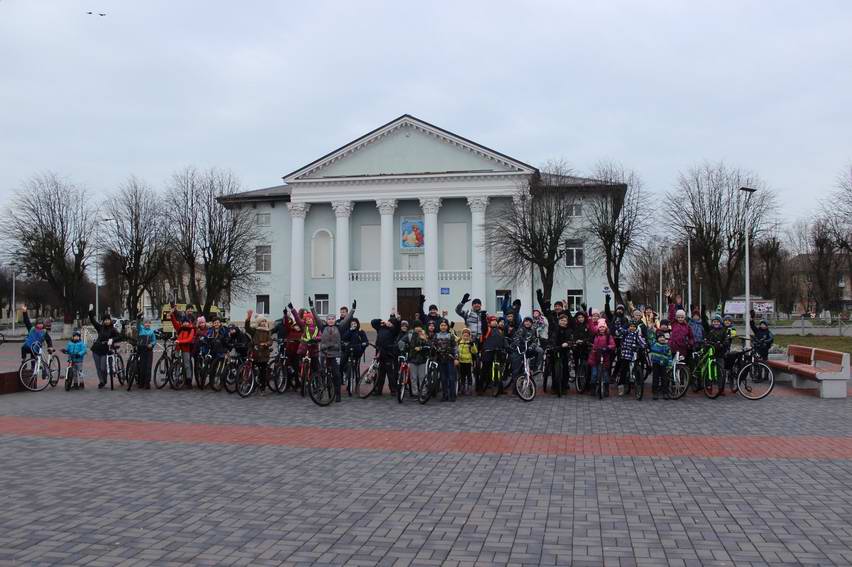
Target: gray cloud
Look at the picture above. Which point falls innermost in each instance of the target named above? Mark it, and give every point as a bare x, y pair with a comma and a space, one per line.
264, 87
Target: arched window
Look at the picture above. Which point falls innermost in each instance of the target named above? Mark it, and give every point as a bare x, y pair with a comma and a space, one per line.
322, 254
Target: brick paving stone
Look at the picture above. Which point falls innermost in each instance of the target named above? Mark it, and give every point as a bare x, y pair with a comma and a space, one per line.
422, 485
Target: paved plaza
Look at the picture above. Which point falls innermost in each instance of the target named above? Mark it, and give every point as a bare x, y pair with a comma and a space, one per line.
202, 478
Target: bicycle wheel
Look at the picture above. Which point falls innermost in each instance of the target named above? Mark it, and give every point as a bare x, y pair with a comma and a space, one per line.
246, 380
201, 370
321, 389
367, 382
177, 376
525, 387
755, 381
400, 385
132, 371
33, 375
679, 382
215, 375
428, 386
54, 369
582, 377
230, 378
638, 381
2, 339
161, 373
69, 378
713, 379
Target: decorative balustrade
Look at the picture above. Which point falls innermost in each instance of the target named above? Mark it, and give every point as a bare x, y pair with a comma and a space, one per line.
454, 275
365, 276
408, 275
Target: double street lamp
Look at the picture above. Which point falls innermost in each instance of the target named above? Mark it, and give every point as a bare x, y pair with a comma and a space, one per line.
747, 315
689, 230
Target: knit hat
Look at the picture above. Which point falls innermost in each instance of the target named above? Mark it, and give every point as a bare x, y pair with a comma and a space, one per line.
680, 313
403, 323
465, 331
433, 306
491, 318
602, 324
717, 318
637, 314
528, 318
476, 300
633, 323
696, 312
763, 322
76, 333
619, 306
516, 303
201, 321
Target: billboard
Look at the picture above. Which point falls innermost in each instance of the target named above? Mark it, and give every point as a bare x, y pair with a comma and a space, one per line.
411, 235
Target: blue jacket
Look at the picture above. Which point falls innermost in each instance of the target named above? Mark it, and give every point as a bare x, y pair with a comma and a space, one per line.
146, 336
697, 331
35, 337
76, 351
661, 355
631, 343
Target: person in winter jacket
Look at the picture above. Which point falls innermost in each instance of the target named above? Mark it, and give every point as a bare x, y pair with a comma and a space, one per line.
237, 340
432, 317
418, 347
696, 323
446, 348
108, 336
617, 322
330, 343
146, 340
511, 307
76, 351
661, 360
581, 338
309, 337
717, 336
261, 339
600, 357
561, 340
762, 337
36, 335
681, 340
184, 343
475, 318
552, 315
525, 338
467, 348
387, 330
494, 346
632, 347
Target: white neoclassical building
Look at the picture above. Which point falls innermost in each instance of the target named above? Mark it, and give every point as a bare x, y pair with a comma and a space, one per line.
398, 212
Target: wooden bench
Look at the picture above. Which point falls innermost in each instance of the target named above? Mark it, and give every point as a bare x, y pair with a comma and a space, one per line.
814, 368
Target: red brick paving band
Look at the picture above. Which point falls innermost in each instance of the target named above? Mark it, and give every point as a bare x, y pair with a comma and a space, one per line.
744, 447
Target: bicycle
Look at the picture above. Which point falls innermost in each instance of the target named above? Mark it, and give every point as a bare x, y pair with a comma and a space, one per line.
678, 377
281, 376
429, 387
709, 372
114, 366
601, 387
368, 379
231, 372
403, 380
321, 386
306, 366
37, 372
755, 380
163, 368
498, 368
525, 383
581, 368
247, 379
73, 377
134, 373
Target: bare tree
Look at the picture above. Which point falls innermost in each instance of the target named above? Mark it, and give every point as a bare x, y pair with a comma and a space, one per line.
536, 230
616, 219
708, 198
820, 260
216, 244
136, 236
48, 233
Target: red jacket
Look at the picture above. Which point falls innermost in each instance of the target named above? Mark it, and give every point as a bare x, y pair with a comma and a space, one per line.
601, 342
185, 337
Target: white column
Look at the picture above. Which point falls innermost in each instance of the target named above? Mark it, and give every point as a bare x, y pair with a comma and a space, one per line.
524, 285
430, 208
477, 253
298, 212
342, 210
386, 209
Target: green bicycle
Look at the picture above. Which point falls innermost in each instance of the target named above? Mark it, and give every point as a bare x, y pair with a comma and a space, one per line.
709, 372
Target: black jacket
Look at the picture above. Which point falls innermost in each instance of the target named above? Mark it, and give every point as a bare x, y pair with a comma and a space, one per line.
100, 346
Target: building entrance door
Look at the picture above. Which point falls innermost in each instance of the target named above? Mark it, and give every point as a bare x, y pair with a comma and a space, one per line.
408, 302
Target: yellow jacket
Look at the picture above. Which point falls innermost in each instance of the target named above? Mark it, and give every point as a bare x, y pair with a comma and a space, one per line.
466, 351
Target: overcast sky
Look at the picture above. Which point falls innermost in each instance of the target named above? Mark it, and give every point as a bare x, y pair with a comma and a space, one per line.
265, 87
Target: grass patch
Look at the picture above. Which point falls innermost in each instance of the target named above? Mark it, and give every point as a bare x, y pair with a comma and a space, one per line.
840, 344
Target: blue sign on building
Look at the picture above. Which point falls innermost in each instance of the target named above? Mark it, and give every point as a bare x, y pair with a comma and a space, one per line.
445, 291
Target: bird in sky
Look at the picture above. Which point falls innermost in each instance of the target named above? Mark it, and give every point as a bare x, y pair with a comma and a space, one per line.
92, 14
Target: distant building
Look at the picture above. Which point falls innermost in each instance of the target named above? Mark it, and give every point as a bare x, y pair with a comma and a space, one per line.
398, 212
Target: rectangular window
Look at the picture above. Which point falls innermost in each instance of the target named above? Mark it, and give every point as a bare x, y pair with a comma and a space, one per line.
321, 303
575, 298
575, 210
574, 254
500, 295
263, 258
262, 305
263, 219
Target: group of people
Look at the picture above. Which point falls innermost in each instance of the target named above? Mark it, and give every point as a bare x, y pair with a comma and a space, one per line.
601, 344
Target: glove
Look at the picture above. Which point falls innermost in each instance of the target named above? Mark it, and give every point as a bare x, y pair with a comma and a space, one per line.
289, 306
354, 303
607, 298
466, 298
310, 301
422, 298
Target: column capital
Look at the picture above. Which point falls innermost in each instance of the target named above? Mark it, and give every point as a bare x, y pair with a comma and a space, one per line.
342, 209
430, 205
386, 206
477, 204
299, 210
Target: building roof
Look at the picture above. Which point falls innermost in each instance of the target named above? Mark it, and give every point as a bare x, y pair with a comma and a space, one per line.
275, 193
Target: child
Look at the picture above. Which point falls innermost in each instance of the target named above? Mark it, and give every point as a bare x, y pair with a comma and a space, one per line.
632, 344
467, 350
493, 345
562, 338
76, 351
417, 347
600, 357
661, 360
108, 335
145, 342
330, 343
697, 326
763, 337
717, 337
386, 332
217, 340
445, 345
354, 342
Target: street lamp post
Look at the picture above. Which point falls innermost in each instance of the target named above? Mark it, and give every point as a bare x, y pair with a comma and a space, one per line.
747, 315
660, 303
97, 266
689, 230
14, 304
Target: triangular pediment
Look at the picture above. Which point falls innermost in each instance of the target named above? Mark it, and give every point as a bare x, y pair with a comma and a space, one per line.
408, 146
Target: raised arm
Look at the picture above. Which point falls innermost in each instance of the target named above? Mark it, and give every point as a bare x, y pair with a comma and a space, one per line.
460, 307
92, 320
